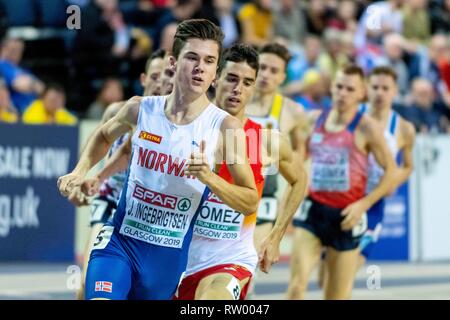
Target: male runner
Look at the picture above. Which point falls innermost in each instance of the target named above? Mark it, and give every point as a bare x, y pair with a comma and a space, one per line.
222, 257
157, 80
400, 137
273, 111
143, 251
333, 216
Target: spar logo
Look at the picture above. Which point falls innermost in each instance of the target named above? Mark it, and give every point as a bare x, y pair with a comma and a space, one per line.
150, 137
155, 198
213, 198
184, 204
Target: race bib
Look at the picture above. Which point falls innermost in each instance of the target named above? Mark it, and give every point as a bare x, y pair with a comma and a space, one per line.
98, 209
267, 209
303, 211
330, 169
157, 218
361, 227
217, 221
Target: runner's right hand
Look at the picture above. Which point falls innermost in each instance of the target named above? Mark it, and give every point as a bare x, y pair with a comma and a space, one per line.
77, 198
90, 186
67, 183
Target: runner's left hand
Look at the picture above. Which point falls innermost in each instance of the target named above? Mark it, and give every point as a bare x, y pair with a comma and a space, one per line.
269, 253
352, 214
197, 165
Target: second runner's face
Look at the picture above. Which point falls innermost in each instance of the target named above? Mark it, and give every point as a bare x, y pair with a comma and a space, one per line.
271, 73
152, 80
235, 86
381, 91
197, 65
347, 91
167, 79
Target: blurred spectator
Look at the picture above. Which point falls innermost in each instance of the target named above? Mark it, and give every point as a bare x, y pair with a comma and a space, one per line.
142, 43
143, 12
303, 61
290, 22
416, 21
256, 21
227, 20
347, 46
23, 86
316, 17
102, 40
167, 36
315, 92
393, 50
425, 61
345, 18
440, 18
422, 110
334, 57
378, 19
166, 26
50, 108
156, 3
7, 112
111, 91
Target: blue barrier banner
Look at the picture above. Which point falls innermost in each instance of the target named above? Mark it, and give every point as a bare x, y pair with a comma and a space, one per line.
393, 243
36, 222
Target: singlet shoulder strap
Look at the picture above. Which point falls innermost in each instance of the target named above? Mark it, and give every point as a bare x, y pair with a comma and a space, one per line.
394, 121
352, 126
277, 105
322, 118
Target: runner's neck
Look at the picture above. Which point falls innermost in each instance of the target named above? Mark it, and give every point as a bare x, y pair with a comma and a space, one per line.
380, 114
264, 100
181, 110
344, 118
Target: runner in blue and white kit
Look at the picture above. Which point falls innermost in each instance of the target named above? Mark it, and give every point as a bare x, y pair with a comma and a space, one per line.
142, 253
399, 135
155, 81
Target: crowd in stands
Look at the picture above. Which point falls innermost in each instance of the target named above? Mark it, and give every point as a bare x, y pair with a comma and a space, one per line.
50, 73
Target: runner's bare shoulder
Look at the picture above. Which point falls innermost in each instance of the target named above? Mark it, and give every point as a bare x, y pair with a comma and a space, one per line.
128, 114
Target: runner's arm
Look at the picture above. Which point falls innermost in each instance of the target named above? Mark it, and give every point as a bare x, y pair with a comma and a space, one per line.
298, 133
377, 145
116, 163
403, 173
99, 143
293, 195
242, 195
295, 176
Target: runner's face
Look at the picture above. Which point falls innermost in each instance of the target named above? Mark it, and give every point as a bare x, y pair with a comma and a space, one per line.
152, 83
235, 87
167, 78
347, 91
196, 65
381, 91
271, 73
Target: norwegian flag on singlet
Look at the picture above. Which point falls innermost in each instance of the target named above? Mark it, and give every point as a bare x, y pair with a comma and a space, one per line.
105, 286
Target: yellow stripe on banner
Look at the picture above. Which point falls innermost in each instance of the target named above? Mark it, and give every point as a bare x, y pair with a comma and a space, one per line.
276, 107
